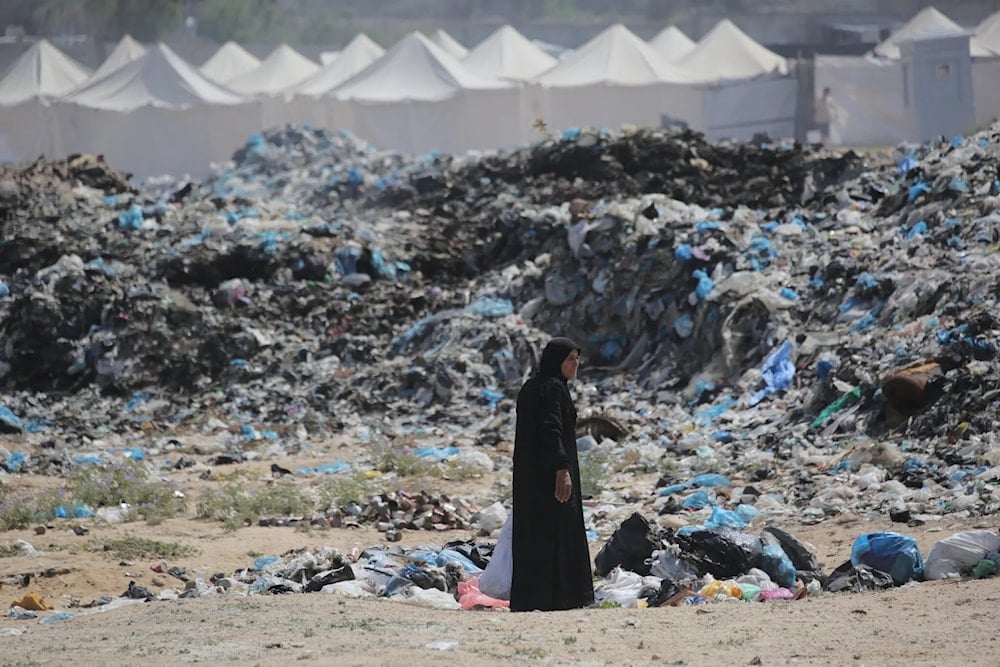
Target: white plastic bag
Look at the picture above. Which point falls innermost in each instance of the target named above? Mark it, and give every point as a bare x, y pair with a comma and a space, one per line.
621, 587
428, 597
492, 517
495, 581
961, 551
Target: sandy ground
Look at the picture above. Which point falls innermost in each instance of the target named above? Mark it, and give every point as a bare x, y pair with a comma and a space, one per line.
932, 623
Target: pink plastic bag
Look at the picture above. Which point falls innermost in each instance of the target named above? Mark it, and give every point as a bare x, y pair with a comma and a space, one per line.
776, 594
469, 597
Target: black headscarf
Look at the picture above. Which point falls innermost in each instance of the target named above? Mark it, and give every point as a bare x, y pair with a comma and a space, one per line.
554, 355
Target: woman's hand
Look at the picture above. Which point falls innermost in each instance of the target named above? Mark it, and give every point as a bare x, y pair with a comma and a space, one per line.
564, 485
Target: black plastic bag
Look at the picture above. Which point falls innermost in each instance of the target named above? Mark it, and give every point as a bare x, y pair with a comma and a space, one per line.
479, 553
806, 566
721, 552
327, 577
631, 547
858, 579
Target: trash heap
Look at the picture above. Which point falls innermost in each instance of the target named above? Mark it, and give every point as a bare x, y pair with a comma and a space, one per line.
818, 325
640, 566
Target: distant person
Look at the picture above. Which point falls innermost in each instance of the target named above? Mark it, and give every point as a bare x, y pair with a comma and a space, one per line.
828, 117
551, 559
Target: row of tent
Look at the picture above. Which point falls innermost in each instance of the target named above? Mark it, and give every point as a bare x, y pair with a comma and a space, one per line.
614, 56
423, 94
416, 97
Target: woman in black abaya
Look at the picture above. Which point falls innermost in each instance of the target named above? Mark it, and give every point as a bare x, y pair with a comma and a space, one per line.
550, 554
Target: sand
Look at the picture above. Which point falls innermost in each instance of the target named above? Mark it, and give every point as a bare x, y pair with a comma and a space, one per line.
932, 623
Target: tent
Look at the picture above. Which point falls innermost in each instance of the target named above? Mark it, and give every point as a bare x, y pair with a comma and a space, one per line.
357, 55
157, 115
928, 23
27, 123
507, 54
449, 44
672, 44
43, 71
615, 56
989, 24
229, 62
282, 70
312, 102
616, 78
727, 52
419, 98
988, 33
125, 52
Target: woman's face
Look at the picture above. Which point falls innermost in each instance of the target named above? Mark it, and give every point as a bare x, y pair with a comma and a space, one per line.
571, 365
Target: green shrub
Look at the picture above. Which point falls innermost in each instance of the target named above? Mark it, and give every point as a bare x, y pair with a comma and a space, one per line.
128, 482
236, 506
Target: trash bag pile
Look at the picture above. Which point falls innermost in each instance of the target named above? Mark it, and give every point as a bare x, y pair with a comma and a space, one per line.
641, 566
817, 325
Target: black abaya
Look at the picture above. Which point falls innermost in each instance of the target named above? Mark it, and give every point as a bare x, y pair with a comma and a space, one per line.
550, 554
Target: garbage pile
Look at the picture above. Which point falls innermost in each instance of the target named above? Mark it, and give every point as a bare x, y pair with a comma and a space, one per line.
816, 325
640, 566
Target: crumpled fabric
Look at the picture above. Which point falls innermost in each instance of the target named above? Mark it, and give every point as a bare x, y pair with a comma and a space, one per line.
33, 601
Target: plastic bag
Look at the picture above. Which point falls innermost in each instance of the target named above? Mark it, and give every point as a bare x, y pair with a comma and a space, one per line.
492, 517
495, 580
960, 553
667, 565
778, 565
621, 587
721, 552
471, 597
893, 553
629, 547
798, 552
858, 579
428, 597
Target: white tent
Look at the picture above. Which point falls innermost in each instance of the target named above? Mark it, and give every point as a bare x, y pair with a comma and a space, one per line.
418, 98
312, 102
616, 78
43, 71
27, 122
988, 32
157, 115
928, 23
229, 62
449, 44
507, 54
357, 55
615, 56
989, 23
125, 52
160, 78
727, 52
672, 44
282, 70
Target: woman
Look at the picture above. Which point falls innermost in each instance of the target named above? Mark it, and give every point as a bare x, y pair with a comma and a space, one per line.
550, 553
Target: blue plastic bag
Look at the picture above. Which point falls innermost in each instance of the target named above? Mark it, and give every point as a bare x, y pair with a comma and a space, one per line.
722, 518
892, 553
777, 372
778, 565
